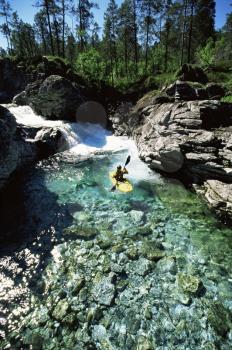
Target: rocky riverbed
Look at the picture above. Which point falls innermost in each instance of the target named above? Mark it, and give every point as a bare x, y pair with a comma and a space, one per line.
103, 270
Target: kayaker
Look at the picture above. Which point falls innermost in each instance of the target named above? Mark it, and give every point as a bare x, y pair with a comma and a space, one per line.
119, 173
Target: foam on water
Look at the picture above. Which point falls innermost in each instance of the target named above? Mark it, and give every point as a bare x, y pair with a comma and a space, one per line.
88, 139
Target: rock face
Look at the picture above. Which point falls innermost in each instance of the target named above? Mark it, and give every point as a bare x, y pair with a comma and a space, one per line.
219, 195
13, 79
17, 150
188, 137
14, 152
53, 98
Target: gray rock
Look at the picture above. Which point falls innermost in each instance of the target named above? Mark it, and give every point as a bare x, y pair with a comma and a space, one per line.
104, 291
188, 137
53, 98
219, 196
15, 152
51, 140
99, 333
137, 216
142, 266
167, 264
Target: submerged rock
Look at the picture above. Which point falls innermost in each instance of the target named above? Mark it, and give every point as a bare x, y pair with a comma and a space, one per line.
81, 232
152, 251
137, 216
104, 291
60, 310
167, 264
189, 284
219, 318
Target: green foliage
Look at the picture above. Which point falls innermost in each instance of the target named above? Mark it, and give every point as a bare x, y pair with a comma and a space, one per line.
164, 79
90, 65
206, 54
137, 51
227, 99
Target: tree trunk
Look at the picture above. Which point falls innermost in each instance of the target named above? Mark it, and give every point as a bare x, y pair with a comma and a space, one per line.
10, 49
111, 63
115, 48
147, 35
43, 39
57, 36
190, 31
166, 45
126, 54
183, 33
135, 36
63, 27
81, 27
49, 26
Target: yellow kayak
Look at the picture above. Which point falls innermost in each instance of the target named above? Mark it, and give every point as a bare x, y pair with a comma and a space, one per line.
124, 186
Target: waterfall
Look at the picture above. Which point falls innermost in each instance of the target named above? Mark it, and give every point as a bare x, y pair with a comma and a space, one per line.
87, 139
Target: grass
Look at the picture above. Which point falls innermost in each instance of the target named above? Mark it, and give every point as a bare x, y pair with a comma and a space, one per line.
227, 99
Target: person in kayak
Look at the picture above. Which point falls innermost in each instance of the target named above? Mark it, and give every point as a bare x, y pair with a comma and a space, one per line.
119, 174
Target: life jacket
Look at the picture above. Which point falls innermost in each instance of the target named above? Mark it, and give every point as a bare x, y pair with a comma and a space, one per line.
119, 175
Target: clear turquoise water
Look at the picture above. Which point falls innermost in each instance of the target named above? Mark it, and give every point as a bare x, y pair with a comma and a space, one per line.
108, 239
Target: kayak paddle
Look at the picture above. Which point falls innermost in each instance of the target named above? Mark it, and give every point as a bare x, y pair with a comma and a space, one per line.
127, 162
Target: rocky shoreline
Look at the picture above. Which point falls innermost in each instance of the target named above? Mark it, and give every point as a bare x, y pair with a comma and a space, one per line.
22, 146
184, 138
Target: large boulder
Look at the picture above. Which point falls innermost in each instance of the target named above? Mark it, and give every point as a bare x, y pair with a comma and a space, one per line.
54, 98
50, 141
189, 72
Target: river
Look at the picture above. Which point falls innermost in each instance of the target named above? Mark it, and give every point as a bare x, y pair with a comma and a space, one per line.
95, 269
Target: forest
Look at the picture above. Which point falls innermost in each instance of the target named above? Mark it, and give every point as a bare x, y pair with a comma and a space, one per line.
139, 38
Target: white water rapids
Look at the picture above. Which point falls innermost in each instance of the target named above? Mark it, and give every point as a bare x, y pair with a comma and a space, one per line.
87, 139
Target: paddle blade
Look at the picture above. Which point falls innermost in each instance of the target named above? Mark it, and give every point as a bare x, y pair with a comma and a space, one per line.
128, 160
113, 188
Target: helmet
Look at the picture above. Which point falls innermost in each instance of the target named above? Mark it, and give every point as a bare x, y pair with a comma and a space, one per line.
119, 167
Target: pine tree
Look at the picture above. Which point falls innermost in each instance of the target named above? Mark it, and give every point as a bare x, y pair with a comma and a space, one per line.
149, 10
135, 31
48, 5
125, 32
192, 4
5, 12
16, 34
108, 48
205, 20
85, 20
111, 25
71, 48
95, 39
41, 29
